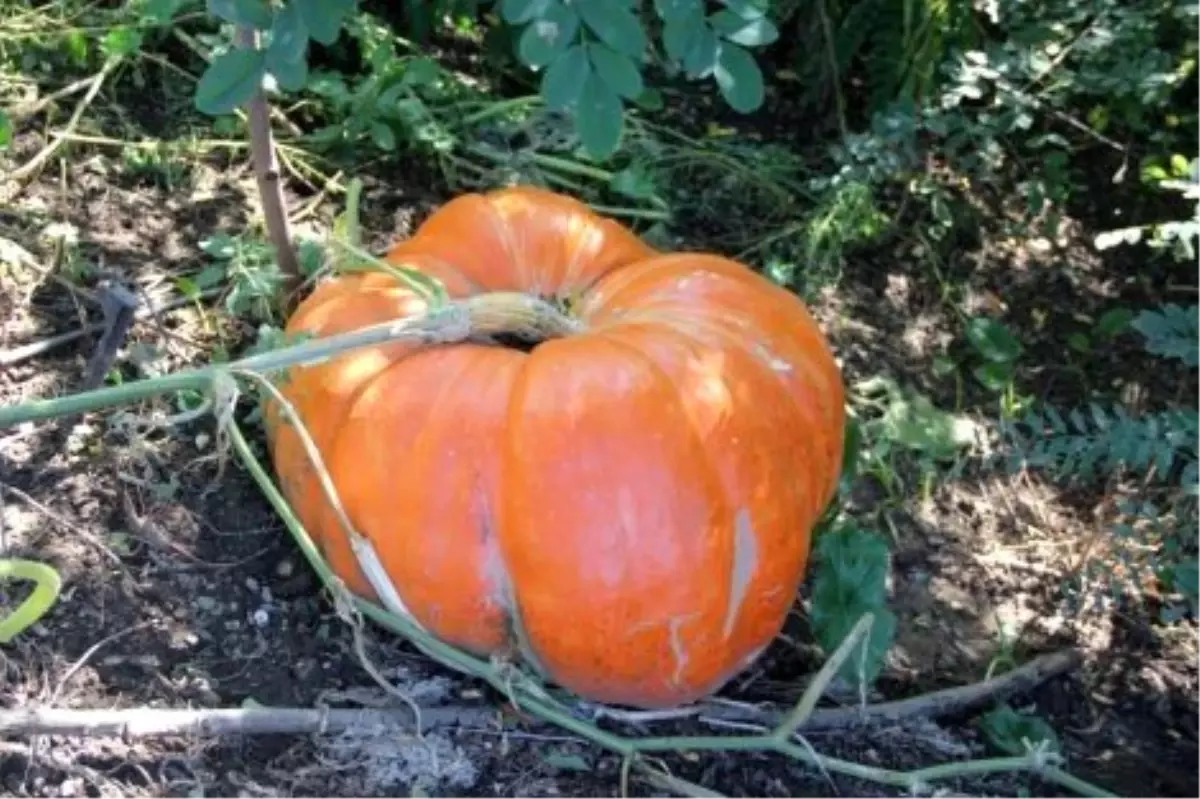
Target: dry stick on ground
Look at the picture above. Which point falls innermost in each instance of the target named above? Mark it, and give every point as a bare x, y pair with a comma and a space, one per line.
947, 702
147, 722
21, 174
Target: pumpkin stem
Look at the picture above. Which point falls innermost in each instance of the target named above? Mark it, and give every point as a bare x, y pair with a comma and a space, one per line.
519, 317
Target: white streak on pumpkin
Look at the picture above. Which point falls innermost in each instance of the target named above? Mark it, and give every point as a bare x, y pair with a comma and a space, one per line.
745, 561
681, 656
369, 562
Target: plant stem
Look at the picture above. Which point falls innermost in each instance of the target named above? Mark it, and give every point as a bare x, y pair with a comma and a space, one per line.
266, 170
483, 315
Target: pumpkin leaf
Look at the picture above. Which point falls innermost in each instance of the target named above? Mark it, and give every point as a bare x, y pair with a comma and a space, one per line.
615, 25
992, 340
599, 117
545, 39
1010, 731
739, 78
911, 420
756, 32
563, 81
6, 130
617, 70
851, 568
324, 18
230, 81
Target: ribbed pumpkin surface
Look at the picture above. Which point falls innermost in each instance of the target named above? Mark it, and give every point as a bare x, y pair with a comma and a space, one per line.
635, 500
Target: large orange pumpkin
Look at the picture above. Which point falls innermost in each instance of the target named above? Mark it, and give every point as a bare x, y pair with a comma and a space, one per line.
634, 501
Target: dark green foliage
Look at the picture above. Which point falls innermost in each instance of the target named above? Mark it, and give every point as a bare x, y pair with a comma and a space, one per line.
1171, 332
1086, 445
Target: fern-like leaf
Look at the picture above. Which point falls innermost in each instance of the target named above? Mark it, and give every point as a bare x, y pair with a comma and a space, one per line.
1172, 331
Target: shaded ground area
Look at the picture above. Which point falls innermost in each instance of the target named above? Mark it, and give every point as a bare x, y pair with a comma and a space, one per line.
183, 589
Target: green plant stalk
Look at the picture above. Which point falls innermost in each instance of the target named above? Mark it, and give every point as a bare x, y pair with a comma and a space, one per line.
547, 162
47, 586
455, 321
491, 312
460, 661
499, 108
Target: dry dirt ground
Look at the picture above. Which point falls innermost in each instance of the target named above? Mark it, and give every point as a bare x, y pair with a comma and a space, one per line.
183, 589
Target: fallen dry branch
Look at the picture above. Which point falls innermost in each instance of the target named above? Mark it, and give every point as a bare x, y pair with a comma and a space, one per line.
938, 704
144, 722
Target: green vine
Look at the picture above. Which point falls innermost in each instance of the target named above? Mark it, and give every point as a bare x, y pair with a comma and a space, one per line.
457, 320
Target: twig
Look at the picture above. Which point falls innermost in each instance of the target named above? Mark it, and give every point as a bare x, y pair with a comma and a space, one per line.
87, 655
64, 523
266, 170
937, 704
36, 348
21, 174
145, 722
23, 112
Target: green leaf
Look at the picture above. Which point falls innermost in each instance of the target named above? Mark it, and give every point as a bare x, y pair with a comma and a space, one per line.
747, 9
1010, 731
383, 136
615, 25
747, 32
702, 51
518, 12
993, 340
739, 78
995, 376
851, 568
287, 55
911, 420
563, 81
543, 40
1184, 577
651, 99
324, 18
162, 11
677, 35
255, 13
121, 41
6, 130
230, 81
617, 70
599, 117
677, 9
1113, 322
634, 182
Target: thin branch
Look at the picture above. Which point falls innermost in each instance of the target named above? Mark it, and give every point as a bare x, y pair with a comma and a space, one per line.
938, 704
145, 722
270, 189
21, 174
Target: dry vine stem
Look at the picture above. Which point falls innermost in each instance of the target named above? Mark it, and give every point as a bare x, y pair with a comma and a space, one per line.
487, 315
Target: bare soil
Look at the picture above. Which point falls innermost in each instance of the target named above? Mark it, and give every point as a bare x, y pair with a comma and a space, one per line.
183, 589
